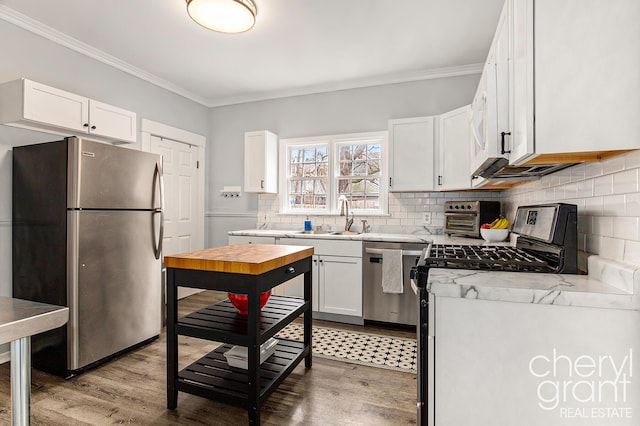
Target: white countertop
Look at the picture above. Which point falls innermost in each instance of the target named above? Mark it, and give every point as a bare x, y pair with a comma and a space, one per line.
370, 236
610, 284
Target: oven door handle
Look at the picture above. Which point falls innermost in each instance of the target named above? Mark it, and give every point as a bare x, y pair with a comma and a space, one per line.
404, 252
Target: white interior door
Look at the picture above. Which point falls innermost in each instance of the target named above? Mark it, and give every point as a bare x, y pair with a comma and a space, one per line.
180, 164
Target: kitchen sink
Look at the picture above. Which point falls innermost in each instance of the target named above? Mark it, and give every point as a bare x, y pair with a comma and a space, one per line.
320, 232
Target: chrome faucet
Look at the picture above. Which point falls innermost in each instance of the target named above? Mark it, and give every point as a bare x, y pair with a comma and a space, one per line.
344, 211
365, 226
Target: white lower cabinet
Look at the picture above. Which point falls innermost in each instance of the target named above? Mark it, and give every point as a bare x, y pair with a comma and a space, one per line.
336, 279
339, 285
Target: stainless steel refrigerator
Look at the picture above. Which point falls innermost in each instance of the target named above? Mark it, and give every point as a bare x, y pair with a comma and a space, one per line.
87, 234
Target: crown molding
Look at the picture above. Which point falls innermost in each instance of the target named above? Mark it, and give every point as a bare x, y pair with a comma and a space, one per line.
51, 34
397, 78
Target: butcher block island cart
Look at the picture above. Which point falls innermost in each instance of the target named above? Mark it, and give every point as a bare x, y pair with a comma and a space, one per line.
250, 269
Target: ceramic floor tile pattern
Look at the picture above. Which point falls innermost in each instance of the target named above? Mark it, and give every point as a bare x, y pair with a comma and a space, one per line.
359, 348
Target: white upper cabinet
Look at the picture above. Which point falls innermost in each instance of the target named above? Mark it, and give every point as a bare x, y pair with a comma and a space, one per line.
558, 84
111, 122
452, 165
411, 142
574, 67
28, 104
261, 162
577, 71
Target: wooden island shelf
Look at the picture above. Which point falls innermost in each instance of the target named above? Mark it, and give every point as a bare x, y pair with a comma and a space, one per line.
248, 269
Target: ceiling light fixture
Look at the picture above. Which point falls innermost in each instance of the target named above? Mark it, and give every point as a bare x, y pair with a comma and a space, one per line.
225, 16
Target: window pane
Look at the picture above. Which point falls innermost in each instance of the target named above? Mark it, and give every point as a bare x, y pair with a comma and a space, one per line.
357, 202
308, 201
374, 152
309, 170
357, 186
309, 155
295, 201
360, 168
296, 155
321, 201
359, 152
373, 203
321, 186
322, 154
372, 186
345, 168
345, 152
343, 186
307, 187
295, 186
374, 167
322, 169
296, 171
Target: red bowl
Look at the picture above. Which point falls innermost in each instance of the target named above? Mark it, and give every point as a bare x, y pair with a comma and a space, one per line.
241, 301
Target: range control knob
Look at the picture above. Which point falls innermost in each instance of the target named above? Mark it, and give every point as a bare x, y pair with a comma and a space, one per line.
469, 206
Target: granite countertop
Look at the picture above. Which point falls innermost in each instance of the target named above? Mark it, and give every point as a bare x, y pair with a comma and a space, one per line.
370, 236
609, 284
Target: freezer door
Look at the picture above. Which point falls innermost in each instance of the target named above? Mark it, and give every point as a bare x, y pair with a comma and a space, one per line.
102, 176
114, 283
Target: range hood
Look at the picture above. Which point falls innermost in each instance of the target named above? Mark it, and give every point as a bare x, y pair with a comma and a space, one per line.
498, 168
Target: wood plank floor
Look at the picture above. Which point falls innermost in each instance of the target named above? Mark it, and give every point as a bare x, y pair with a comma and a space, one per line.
132, 390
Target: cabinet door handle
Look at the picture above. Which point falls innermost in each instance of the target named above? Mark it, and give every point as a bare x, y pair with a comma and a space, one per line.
389, 182
93, 127
315, 260
291, 270
502, 150
262, 184
440, 180
85, 125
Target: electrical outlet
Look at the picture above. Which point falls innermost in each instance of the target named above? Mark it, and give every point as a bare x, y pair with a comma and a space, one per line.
426, 218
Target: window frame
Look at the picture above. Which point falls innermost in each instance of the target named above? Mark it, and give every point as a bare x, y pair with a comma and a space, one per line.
333, 142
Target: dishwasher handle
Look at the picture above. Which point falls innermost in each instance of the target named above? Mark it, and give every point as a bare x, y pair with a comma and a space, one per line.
404, 252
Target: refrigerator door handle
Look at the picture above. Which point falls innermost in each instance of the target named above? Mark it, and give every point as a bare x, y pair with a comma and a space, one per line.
157, 247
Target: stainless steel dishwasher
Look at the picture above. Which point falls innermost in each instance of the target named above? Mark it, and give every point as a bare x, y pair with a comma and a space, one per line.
401, 308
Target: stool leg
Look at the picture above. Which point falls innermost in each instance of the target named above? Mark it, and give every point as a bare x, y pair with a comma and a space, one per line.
21, 381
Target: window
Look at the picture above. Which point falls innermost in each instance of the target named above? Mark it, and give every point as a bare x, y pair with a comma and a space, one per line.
317, 171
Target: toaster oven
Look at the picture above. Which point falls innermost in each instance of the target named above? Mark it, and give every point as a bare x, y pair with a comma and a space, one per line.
464, 218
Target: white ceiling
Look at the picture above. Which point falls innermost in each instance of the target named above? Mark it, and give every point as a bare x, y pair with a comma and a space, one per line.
296, 46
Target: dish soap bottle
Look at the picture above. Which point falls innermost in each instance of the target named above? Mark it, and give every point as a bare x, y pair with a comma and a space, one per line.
307, 224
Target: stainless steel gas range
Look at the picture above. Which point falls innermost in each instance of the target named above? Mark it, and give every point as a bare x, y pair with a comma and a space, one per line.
547, 242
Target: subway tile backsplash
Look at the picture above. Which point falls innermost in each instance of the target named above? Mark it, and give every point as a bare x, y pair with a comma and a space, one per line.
405, 213
606, 193
608, 201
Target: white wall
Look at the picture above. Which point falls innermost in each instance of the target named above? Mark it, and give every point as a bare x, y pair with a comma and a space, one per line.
23, 54
345, 111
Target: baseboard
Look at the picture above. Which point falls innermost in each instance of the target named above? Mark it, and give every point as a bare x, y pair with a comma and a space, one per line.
5, 357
